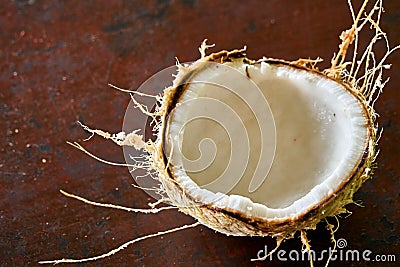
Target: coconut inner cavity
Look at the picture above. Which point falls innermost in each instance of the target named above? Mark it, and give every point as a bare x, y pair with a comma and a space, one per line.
282, 137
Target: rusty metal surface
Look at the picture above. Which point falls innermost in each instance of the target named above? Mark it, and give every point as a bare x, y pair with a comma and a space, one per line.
56, 58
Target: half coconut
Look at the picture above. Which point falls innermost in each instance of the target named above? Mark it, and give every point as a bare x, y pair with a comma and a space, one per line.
262, 147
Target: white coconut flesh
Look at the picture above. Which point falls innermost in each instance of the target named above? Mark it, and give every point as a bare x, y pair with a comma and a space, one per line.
270, 143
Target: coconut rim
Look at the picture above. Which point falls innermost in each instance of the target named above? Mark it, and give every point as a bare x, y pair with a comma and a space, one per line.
177, 91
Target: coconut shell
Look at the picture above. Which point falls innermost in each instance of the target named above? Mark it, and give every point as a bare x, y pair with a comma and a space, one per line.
233, 222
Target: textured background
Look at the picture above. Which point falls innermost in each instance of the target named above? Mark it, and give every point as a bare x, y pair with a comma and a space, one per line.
56, 58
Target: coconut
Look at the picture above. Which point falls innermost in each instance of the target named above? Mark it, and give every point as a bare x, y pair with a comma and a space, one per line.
262, 147
298, 157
